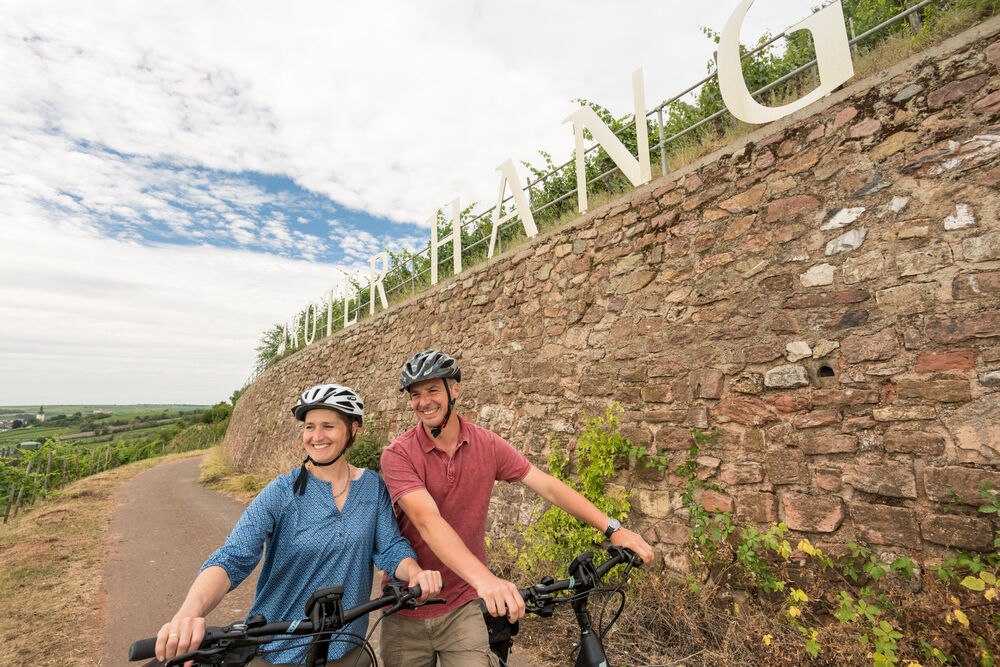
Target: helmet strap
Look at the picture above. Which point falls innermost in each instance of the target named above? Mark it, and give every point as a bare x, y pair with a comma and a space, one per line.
436, 430
299, 487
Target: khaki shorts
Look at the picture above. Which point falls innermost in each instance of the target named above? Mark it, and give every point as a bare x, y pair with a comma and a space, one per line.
457, 639
347, 661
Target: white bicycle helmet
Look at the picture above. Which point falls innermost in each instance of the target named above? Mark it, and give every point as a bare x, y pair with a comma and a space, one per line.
333, 396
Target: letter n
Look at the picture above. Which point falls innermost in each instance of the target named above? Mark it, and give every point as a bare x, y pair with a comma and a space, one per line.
637, 170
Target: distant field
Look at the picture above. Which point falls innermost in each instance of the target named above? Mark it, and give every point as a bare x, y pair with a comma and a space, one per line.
142, 419
8, 411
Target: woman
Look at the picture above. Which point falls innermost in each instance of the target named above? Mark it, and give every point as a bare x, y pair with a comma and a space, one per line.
322, 525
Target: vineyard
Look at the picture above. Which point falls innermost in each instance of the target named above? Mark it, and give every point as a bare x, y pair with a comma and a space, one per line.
35, 469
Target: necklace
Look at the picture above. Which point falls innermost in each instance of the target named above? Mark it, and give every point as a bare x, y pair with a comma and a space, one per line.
347, 485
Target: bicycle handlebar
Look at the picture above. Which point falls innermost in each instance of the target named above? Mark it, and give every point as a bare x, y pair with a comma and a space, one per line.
260, 633
584, 576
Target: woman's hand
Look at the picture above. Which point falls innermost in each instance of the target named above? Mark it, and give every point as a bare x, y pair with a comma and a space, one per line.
429, 582
179, 636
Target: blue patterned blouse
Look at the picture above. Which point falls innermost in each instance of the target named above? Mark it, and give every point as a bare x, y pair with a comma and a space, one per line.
311, 544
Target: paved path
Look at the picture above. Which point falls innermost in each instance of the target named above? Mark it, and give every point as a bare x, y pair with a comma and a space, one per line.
163, 527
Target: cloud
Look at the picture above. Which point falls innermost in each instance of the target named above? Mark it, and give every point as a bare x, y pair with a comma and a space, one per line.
151, 323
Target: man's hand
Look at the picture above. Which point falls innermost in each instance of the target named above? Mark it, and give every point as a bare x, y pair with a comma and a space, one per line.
501, 598
429, 582
623, 537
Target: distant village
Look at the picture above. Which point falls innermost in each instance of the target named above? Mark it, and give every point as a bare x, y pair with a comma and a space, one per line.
27, 421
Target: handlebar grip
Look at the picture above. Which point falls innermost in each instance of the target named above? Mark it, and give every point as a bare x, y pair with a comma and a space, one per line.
144, 649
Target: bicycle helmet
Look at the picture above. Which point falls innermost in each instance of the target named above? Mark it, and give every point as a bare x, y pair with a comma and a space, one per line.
334, 397
429, 365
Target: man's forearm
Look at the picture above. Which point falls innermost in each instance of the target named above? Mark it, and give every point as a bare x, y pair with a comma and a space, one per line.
572, 502
449, 547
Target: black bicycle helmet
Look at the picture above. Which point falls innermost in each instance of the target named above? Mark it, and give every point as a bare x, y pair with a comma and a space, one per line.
333, 396
429, 365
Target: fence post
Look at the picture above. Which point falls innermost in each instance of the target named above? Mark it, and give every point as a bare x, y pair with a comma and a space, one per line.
62, 476
10, 501
663, 146
48, 469
913, 18
76, 455
20, 492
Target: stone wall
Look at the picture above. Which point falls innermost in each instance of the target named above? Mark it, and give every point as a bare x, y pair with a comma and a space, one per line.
824, 292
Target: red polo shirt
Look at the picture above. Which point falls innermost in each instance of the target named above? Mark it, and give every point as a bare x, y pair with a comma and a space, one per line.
461, 486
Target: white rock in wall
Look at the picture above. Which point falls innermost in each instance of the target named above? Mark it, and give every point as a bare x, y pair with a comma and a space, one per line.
842, 218
898, 204
824, 347
962, 217
821, 274
797, 350
791, 375
845, 242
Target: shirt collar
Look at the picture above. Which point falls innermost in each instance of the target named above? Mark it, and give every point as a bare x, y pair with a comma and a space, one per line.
426, 444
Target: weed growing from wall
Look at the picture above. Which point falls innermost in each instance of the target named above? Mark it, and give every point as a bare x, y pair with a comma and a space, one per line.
599, 453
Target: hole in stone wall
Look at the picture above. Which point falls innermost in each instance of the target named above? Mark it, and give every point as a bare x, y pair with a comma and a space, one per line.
825, 372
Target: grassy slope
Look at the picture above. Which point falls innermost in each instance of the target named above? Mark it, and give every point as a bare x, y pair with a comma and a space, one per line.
51, 558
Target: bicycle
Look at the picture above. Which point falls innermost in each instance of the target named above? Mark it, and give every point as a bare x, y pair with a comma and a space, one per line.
584, 579
237, 644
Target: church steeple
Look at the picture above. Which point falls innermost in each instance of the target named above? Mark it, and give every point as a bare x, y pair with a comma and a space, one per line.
41, 414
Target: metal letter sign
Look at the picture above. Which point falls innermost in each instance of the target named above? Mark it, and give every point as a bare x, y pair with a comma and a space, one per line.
833, 54
833, 57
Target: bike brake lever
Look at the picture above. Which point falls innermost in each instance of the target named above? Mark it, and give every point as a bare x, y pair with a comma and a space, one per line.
201, 655
430, 601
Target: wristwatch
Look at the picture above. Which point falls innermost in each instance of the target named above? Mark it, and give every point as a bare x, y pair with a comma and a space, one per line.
613, 525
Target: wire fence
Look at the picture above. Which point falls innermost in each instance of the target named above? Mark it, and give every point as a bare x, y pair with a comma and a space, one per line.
656, 114
413, 272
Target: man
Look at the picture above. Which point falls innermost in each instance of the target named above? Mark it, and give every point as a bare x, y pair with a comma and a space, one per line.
440, 476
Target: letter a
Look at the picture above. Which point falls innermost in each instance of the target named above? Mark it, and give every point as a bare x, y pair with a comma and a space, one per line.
522, 207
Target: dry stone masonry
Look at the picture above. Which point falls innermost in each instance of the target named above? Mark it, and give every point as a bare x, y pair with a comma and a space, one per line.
825, 293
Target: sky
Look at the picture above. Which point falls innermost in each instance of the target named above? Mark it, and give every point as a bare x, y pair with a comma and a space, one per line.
177, 177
